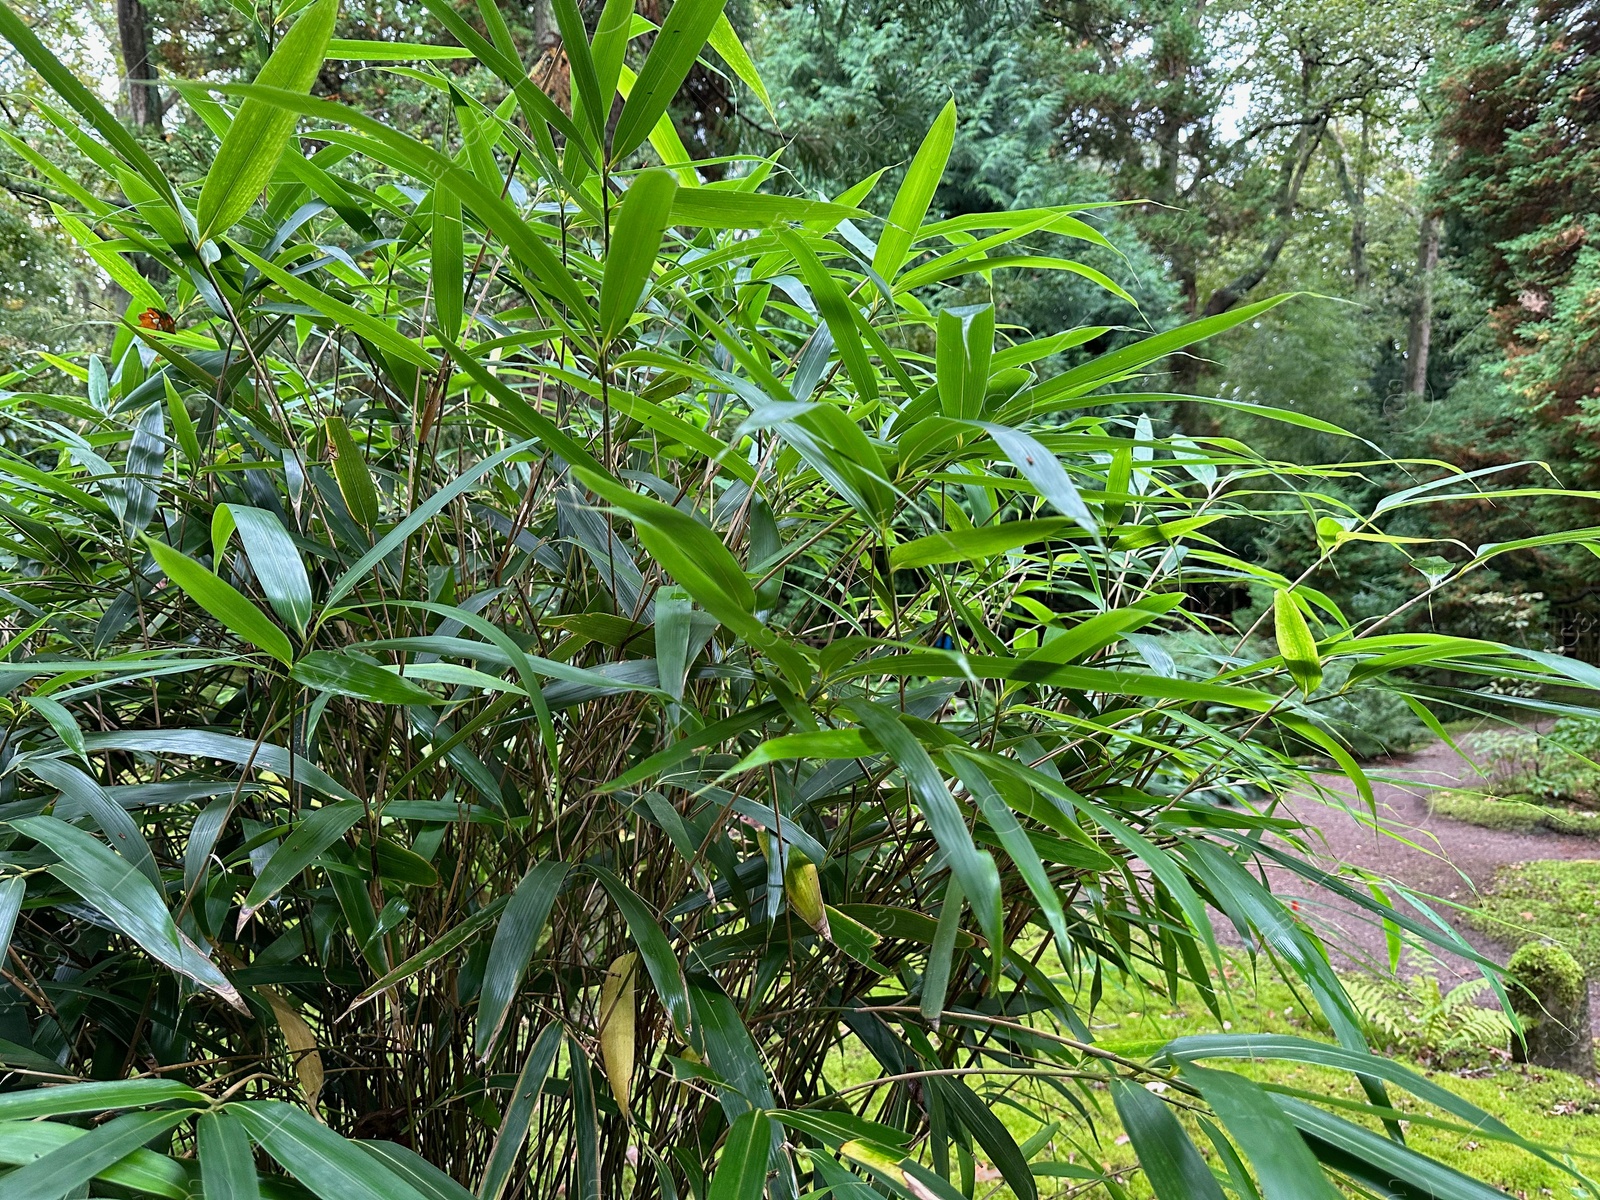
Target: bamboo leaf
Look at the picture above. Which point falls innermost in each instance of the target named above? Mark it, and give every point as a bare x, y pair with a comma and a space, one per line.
126, 898
1295, 643
227, 1165
635, 240
514, 940
741, 1172
255, 141
915, 195
222, 600
61, 1171
304, 845
331, 1167
682, 36
1170, 1161
1286, 1168
346, 675
519, 1113
272, 556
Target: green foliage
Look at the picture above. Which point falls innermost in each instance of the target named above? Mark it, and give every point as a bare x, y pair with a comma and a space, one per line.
1424, 1021
560, 767
1559, 767
1552, 901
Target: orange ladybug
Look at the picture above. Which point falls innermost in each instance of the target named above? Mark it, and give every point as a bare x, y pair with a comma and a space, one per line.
158, 318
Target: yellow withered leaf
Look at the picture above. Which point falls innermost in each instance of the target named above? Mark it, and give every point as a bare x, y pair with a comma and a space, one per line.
302, 1044
618, 1014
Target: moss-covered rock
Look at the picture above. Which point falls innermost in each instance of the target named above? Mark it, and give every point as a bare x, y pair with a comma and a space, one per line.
1551, 994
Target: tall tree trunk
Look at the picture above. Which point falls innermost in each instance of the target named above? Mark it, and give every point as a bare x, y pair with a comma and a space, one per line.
1354, 187
1421, 334
544, 26
144, 97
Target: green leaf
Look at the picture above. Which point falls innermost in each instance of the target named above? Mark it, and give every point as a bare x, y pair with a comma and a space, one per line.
678, 43
659, 960
435, 950
725, 41
346, 675
65, 84
60, 719
1170, 1161
405, 1163
309, 839
81, 794
967, 545
141, 1172
1286, 1168
1295, 643
612, 32
427, 164
355, 50
272, 556
635, 241
12, 890
448, 261
966, 344
1282, 1048
227, 1164
324, 1162
713, 208
519, 1113
222, 600
742, 1166
816, 743
1043, 469
249, 154
415, 520
125, 898
59, 1172
514, 940
838, 310
915, 194
694, 555
974, 867
588, 103
936, 979
990, 1133
1377, 1161
31, 1103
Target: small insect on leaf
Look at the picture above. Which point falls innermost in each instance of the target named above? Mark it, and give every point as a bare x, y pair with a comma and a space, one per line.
159, 319
1296, 644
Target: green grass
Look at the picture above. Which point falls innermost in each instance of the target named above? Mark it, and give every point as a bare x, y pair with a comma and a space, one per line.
1559, 1111
1513, 814
1554, 900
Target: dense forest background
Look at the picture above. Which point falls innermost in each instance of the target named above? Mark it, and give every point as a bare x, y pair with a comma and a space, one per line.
1427, 172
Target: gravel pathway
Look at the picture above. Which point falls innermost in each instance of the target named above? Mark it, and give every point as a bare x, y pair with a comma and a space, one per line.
1432, 855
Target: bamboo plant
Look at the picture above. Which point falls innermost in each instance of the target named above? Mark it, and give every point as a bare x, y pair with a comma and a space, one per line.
527, 672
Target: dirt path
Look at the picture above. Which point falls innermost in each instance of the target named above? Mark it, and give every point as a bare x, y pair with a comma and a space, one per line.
1430, 854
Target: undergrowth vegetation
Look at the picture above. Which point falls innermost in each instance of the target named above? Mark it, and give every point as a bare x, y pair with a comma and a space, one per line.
514, 655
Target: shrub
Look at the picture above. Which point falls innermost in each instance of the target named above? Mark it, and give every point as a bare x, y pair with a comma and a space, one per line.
1561, 766
516, 656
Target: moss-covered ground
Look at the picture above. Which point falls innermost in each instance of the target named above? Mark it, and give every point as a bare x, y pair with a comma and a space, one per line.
1559, 1111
